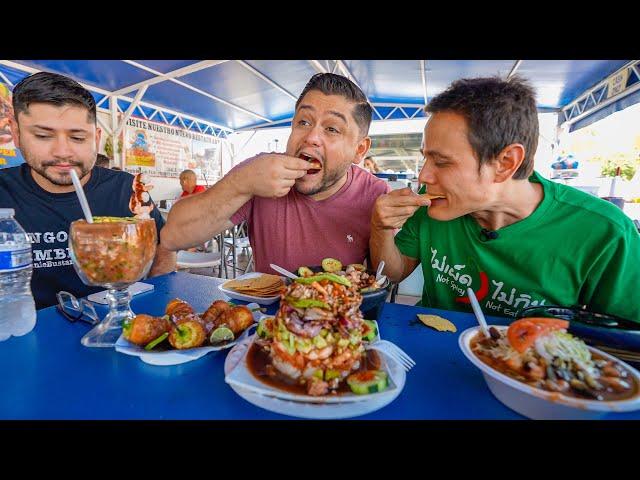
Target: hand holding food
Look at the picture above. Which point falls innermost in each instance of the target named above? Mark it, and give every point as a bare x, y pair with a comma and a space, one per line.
393, 209
269, 175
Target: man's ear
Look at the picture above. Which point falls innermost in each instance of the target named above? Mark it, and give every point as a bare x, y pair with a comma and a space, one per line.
361, 150
508, 161
98, 136
15, 131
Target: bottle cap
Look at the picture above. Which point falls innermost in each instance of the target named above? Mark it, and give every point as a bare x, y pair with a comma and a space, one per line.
7, 212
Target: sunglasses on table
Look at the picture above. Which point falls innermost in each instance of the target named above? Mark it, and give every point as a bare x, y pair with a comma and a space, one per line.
74, 309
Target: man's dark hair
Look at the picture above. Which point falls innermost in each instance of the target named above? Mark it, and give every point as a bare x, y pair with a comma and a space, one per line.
102, 161
58, 90
498, 112
333, 84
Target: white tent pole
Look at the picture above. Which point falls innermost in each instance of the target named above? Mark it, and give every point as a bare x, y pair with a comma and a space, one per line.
197, 90
30, 70
7, 81
317, 66
161, 77
130, 110
262, 76
117, 158
423, 76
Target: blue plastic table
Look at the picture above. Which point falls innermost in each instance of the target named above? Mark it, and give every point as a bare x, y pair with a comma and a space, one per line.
48, 374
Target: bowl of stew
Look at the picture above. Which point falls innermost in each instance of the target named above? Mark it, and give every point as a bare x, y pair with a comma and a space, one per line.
536, 400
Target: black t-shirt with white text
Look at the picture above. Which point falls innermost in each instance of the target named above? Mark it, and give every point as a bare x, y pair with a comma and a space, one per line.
46, 218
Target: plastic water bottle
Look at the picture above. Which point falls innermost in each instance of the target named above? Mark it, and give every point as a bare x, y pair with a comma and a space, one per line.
17, 307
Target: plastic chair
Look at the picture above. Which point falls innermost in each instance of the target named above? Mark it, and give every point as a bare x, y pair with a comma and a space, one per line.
412, 285
186, 259
236, 238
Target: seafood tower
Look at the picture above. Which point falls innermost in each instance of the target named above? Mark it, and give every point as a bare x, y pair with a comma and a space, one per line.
316, 337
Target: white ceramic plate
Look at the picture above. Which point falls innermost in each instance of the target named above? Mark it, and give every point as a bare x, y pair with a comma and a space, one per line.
248, 298
176, 357
540, 404
242, 378
313, 410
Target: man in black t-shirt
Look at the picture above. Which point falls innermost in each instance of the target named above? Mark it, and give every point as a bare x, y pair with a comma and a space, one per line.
55, 129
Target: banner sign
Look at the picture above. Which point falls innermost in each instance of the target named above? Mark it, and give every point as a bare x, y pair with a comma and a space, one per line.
165, 150
10, 156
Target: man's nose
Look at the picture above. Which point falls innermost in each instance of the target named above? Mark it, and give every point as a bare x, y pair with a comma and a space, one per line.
313, 136
61, 148
426, 174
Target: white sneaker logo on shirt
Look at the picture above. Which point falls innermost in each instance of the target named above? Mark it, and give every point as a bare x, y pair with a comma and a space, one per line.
349, 239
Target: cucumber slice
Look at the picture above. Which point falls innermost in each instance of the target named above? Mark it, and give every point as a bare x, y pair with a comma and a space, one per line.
305, 272
368, 381
331, 265
155, 342
370, 330
263, 331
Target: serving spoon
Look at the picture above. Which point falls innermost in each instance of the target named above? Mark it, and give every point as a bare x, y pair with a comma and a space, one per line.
283, 271
478, 312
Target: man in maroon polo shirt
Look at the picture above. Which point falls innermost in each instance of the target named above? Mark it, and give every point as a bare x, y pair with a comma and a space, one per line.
302, 206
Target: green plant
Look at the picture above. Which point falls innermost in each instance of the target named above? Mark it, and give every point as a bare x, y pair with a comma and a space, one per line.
626, 162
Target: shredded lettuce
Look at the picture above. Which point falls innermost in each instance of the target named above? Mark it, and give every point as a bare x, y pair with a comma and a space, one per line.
565, 346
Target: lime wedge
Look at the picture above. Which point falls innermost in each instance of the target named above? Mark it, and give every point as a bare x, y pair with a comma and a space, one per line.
221, 334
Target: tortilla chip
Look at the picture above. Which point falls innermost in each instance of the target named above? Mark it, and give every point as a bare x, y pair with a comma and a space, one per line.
265, 285
439, 323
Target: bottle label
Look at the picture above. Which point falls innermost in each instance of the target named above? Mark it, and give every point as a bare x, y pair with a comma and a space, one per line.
15, 260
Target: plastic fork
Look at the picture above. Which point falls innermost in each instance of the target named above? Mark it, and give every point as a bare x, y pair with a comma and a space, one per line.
394, 352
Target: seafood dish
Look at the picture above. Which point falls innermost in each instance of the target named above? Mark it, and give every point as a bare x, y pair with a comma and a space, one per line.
315, 345
183, 328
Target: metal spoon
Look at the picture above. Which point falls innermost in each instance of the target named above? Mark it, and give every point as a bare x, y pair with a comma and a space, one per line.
379, 271
283, 271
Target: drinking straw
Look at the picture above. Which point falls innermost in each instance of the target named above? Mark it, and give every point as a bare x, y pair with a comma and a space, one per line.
83, 199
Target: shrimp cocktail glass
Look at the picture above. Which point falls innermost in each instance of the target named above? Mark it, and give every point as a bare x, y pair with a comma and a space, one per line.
113, 253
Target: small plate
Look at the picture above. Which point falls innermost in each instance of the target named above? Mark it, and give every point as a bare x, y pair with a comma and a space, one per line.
248, 298
176, 357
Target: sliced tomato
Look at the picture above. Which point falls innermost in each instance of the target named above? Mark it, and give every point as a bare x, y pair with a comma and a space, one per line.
524, 332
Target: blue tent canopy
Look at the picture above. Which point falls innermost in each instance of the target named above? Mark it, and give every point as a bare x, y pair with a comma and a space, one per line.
226, 96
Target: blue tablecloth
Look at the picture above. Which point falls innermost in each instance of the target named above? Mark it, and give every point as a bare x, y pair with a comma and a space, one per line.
48, 374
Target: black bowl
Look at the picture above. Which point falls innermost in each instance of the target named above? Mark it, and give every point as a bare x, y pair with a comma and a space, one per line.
372, 302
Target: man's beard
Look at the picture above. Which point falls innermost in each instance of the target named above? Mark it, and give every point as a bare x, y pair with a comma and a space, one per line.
61, 181
329, 179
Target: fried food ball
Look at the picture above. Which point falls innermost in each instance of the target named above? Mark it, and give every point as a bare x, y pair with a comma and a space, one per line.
187, 333
143, 328
178, 308
238, 319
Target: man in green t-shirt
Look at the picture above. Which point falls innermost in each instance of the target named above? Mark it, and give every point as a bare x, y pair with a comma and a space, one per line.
517, 239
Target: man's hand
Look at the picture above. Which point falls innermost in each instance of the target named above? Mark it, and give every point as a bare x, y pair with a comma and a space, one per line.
393, 209
269, 175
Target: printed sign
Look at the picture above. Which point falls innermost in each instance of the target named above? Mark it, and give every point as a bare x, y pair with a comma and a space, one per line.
10, 156
165, 150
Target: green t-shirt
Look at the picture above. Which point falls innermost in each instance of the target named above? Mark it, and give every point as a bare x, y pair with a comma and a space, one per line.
574, 249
